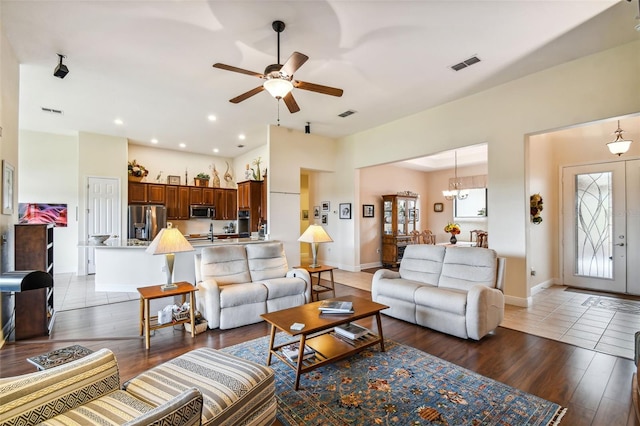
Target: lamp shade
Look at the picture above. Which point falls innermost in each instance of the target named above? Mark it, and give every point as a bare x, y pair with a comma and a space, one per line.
278, 87
169, 240
315, 234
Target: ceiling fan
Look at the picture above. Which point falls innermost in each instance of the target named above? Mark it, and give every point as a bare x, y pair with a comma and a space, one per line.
279, 78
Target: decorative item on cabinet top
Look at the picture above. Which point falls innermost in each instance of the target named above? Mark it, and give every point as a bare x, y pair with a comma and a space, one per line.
136, 171
201, 179
173, 180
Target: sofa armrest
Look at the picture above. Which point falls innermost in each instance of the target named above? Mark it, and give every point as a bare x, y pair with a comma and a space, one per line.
184, 409
485, 310
35, 397
304, 274
379, 275
208, 301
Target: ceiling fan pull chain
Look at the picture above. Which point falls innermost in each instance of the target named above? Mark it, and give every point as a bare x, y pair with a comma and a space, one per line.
278, 112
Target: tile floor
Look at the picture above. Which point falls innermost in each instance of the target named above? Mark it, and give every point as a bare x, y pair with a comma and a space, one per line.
592, 321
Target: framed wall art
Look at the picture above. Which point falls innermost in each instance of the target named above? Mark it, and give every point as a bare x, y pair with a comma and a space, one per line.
438, 207
316, 212
305, 215
326, 206
367, 210
345, 210
8, 177
325, 219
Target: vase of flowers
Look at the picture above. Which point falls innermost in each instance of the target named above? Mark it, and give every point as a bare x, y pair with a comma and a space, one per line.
453, 229
136, 171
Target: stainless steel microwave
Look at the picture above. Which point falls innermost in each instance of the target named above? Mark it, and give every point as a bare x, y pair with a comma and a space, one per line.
202, 212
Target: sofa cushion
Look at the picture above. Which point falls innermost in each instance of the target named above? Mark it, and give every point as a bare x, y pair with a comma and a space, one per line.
281, 287
115, 408
244, 294
235, 391
454, 301
31, 398
465, 267
266, 261
398, 288
226, 264
422, 262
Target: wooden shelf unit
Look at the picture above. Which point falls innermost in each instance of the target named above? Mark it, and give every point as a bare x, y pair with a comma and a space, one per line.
35, 311
398, 220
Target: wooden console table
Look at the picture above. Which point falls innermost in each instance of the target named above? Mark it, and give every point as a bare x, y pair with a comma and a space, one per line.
156, 292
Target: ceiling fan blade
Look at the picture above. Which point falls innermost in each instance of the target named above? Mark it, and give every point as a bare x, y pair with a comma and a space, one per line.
294, 62
236, 69
247, 95
325, 90
291, 103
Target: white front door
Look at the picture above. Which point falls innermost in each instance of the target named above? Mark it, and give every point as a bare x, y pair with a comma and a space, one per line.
599, 221
103, 212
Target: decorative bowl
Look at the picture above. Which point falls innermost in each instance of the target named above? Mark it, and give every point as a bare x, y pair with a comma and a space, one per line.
98, 239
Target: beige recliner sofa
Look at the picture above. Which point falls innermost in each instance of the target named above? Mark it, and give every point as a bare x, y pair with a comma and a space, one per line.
455, 290
238, 283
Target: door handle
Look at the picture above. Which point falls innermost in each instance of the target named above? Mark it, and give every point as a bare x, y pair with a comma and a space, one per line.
620, 244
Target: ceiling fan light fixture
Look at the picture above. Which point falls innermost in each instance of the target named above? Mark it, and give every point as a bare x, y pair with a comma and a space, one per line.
278, 87
620, 145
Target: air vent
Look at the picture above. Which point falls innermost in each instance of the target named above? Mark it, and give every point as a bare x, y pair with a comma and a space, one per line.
52, 110
466, 63
346, 113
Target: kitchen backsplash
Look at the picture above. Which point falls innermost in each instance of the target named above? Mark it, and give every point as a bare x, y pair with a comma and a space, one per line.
201, 226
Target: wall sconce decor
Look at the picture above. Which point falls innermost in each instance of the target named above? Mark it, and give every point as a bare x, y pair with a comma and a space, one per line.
535, 206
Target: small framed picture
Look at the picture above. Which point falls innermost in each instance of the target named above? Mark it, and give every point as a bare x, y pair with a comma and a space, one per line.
367, 210
173, 180
8, 172
438, 207
326, 206
325, 219
305, 215
316, 212
414, 214
345, 210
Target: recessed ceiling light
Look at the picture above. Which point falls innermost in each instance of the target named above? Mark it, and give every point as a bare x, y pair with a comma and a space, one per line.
154, 141
241, 137
118, 121
211, 117
183, 145
216, 150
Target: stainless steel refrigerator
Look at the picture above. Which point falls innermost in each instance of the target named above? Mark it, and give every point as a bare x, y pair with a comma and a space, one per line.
146, 221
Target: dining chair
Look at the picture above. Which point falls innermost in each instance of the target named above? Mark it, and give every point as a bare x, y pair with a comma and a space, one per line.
483, 239
428, 237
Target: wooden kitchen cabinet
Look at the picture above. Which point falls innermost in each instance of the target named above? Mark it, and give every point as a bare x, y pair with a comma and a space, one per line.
177, 201
146, 193
250, 197
226, 205
203, 196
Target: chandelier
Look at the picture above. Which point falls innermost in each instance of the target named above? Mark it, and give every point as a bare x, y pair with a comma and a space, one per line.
455, 187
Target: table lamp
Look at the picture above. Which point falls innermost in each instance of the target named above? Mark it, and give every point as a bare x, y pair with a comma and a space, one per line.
315, 234
168, 242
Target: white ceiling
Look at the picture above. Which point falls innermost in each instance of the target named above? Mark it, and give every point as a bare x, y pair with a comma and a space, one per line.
149, 63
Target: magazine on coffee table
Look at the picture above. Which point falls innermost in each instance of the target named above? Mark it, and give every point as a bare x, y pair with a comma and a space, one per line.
336, 307
293, 350
352, 331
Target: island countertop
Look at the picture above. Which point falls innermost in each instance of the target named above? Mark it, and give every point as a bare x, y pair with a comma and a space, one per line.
124, 265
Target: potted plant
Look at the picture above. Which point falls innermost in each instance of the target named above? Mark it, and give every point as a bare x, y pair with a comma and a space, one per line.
136, 171
201, 179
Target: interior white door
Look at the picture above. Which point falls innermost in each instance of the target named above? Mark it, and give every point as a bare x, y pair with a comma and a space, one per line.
595, 226
633, 226
103, 212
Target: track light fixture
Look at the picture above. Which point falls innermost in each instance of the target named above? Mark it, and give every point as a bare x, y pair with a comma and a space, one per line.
307, 128
61, 70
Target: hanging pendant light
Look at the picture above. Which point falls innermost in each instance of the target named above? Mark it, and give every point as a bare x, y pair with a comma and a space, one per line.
620, 145
455, 188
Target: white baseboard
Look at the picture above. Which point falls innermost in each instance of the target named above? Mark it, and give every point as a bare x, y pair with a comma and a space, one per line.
518, 301
370, 265
545, 284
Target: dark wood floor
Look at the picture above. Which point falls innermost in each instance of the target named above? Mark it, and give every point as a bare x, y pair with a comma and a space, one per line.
595, 387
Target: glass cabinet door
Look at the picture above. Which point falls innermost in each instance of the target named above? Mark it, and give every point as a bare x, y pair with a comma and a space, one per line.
411, 216
387, 212
402, 216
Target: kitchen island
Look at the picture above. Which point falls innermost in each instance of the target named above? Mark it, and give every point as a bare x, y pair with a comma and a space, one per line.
124, 265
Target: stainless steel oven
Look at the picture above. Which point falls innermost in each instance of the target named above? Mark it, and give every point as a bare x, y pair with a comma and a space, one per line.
203, 212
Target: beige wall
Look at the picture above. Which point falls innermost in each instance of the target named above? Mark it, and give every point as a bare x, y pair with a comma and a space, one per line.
503, 117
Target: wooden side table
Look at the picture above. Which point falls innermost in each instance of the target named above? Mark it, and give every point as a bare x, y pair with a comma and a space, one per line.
319, 288
156, 292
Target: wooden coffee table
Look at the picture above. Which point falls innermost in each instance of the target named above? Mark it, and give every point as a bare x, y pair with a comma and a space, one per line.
318, 333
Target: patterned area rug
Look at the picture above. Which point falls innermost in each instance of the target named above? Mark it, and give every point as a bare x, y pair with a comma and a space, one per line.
402, 386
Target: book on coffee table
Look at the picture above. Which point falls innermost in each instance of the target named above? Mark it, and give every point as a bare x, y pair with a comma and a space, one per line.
336, 307
352, 331
293, 350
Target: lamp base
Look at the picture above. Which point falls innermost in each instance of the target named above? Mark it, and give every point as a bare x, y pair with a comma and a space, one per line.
169, 286
315, 265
